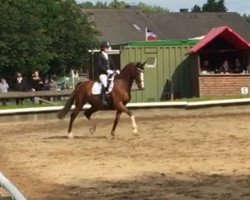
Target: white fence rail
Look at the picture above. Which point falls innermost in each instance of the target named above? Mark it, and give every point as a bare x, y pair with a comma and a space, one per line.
7, 185
176, 104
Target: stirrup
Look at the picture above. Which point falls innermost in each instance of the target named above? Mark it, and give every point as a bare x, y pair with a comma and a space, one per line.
104, 101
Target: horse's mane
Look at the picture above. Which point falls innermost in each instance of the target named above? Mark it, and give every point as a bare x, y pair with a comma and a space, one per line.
127, 69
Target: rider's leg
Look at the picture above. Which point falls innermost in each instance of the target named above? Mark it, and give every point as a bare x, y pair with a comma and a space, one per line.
104, 80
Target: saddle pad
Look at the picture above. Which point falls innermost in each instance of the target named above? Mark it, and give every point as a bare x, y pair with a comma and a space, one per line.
97, 87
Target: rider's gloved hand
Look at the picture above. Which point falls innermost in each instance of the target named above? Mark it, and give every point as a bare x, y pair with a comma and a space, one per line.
109, 71
117, 71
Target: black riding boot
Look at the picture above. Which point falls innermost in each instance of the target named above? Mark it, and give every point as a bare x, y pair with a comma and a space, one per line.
104, 99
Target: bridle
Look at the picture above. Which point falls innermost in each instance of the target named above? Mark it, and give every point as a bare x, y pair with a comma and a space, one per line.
140, 72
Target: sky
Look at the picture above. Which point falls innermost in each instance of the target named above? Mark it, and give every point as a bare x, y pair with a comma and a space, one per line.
240, 6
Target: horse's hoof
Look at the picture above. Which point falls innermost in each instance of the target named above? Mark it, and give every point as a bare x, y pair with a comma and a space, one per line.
70, 136
112, 135
92, 130
135, 132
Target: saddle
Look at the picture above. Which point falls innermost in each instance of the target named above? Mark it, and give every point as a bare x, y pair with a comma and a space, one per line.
97, 86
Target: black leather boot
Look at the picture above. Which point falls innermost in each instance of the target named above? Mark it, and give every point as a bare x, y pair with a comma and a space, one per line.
103, 96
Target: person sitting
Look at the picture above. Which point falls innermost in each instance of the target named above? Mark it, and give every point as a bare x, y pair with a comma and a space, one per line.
238, 67
225, 69
205, 68
105, 68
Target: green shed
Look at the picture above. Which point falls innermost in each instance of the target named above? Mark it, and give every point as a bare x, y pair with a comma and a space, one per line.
169, 72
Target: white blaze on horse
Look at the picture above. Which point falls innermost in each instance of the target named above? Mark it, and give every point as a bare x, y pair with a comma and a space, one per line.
119, 96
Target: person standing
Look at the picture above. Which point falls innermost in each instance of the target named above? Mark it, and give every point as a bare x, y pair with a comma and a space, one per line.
46, 87
36, 83
19, 85
4, 86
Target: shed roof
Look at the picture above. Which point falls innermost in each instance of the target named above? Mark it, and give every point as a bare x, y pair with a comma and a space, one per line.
163, 43
224, 32
120, 26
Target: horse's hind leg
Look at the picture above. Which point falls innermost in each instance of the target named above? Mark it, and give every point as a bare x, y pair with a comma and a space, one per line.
87, 114
72, 119
117, 118
78, 107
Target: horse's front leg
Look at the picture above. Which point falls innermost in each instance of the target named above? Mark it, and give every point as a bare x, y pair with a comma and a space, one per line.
134, 125
117, 118
123, 108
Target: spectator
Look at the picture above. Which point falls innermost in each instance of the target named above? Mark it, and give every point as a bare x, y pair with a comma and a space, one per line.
225, 68
4, 86
46, 85
205, 67
238, 68
19, 85
36, 84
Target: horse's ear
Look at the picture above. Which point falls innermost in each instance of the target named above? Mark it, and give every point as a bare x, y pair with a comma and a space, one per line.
141, 65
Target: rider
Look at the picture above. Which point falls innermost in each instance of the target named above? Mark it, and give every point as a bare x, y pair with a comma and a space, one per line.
105, 67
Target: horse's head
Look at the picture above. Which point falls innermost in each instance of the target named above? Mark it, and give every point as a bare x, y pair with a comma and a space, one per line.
134, 71
139, 75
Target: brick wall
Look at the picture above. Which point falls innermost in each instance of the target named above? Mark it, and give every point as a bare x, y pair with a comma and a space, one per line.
223, 85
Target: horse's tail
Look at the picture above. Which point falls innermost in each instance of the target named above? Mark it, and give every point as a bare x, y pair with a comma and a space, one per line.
63, 112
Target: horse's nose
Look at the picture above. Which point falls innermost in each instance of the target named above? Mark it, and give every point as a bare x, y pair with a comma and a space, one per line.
142, 86
142, 81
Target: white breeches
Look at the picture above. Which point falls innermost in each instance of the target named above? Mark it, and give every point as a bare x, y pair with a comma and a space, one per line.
104, 79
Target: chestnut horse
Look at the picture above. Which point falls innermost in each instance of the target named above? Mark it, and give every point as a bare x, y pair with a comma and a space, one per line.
120, 96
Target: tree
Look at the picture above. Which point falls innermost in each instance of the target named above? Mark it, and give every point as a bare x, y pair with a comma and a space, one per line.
121, 4
100, 4
72, 36
87, 4
117, 4
23, 42
45, 35
214, 6
147, 8
246, 17
196, 8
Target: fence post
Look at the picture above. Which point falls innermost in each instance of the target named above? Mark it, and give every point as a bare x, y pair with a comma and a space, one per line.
172, 89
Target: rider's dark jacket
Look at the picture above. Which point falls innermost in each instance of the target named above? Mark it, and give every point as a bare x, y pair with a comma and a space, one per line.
102, 64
